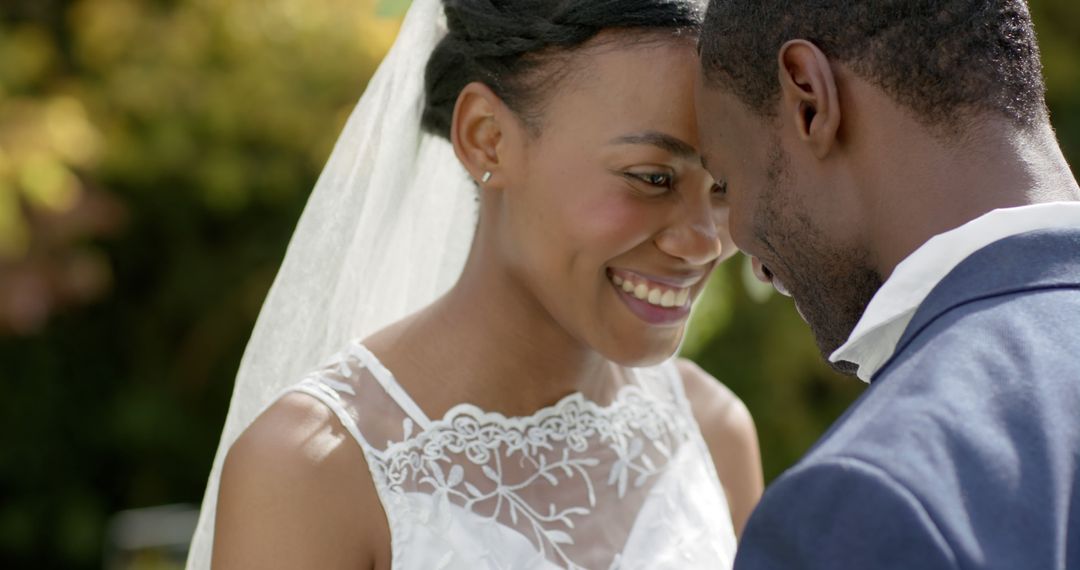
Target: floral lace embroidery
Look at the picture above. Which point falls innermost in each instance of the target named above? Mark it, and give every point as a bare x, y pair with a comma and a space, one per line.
487, 463
641, 430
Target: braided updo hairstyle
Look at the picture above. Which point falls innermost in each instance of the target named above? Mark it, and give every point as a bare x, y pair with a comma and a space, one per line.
518, 47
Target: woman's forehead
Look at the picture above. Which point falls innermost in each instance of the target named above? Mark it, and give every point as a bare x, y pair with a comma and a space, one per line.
638, 87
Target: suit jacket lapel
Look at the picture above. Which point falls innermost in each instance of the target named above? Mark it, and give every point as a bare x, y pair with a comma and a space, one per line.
1036, 260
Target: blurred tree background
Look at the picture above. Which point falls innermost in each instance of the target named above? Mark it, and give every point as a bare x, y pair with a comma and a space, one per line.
154, 158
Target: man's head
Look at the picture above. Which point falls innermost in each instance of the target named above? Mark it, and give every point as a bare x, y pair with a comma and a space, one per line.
812, 112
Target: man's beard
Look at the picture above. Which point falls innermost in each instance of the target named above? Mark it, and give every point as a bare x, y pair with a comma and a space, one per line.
832, 288
831, 283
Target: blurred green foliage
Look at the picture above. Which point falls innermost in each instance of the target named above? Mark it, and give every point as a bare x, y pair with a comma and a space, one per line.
154, 157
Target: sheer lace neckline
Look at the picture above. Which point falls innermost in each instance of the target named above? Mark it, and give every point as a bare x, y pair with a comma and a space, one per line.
627, 485
629, 391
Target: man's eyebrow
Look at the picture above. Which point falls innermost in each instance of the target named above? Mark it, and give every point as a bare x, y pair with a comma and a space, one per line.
664, 141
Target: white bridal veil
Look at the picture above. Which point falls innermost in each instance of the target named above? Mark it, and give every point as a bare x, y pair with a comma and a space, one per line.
385, 231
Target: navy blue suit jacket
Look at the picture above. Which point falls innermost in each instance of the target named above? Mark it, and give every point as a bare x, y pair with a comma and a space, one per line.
964, 452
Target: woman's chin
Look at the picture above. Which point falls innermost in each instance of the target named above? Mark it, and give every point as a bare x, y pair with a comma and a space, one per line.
641, 351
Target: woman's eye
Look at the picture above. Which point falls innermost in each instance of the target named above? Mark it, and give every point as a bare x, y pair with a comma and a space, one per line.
658, 179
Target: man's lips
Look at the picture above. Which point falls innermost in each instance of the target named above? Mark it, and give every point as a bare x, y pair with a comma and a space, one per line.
766, 275
780, 287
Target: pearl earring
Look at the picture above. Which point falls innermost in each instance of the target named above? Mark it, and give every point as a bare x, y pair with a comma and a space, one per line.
485, 177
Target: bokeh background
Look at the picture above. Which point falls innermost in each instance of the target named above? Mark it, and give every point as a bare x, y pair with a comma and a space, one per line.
154, 158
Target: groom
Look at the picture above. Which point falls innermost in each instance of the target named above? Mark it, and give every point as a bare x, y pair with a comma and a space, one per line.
891, 164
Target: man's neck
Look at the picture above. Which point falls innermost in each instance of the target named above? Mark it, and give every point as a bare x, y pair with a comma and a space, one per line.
947, 184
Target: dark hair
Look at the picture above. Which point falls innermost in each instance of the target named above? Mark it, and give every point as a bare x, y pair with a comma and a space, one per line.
944, 59
515, 47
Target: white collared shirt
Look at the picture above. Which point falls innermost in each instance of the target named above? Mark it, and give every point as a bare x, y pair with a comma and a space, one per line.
875, 337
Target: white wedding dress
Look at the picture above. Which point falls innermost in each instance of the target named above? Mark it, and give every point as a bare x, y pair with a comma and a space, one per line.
627, 485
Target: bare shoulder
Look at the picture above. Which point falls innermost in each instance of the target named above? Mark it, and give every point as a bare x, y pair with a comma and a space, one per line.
729, 432
716, 408
294, 489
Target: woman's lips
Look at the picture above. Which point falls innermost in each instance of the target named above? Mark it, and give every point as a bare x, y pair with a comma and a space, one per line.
660, 301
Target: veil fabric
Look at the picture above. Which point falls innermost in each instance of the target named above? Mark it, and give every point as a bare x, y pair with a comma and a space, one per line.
385, 232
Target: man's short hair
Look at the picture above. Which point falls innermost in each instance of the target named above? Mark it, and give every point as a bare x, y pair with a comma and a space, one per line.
947, 60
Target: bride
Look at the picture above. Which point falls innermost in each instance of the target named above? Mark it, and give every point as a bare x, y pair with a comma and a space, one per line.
514, 402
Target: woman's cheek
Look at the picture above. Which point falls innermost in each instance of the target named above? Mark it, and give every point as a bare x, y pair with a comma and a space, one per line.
617, 220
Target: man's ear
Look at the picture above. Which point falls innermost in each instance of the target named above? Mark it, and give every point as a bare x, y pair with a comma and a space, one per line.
809, 97
476, 133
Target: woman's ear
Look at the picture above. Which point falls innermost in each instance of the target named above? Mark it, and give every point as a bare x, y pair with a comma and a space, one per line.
476, 133
809, 97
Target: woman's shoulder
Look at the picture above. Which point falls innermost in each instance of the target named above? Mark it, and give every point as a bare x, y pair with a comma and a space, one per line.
713, 403
730, 434
294, 488
299, 434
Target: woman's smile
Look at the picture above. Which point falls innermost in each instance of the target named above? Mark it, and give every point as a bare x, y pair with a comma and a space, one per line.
655, 300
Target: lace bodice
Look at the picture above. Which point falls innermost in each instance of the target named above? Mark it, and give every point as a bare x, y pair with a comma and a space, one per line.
628, 485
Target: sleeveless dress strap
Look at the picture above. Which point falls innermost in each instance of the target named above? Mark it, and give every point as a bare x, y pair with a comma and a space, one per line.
390, 385
326, 394
675, 381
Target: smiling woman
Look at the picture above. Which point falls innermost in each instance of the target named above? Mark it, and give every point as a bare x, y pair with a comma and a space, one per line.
610, 182
533, 415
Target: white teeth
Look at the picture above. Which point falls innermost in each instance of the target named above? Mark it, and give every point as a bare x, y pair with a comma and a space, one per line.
667, 299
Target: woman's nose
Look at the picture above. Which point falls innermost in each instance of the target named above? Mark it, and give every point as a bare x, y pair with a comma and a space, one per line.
695, 236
